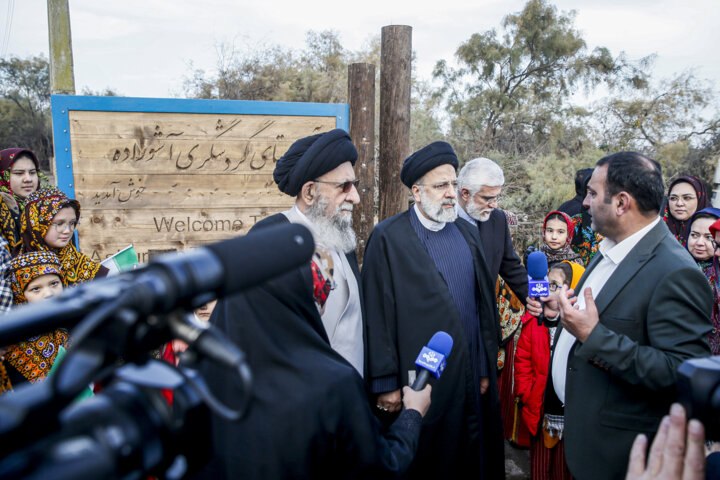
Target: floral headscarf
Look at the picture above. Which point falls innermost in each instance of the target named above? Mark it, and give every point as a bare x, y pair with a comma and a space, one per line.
712, 272
40, 209
34, 357
679, 227
27, 267
11, 205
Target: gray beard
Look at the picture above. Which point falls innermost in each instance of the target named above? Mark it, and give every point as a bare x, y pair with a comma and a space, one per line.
435, 210
334, 232
476, 212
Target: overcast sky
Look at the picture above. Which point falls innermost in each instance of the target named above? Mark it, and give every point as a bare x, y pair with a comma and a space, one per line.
143, 47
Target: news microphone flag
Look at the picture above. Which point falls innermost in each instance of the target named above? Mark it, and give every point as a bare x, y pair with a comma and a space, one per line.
432, 359
537, 267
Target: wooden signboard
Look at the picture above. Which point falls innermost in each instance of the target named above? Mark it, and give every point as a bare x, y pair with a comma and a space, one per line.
166, 174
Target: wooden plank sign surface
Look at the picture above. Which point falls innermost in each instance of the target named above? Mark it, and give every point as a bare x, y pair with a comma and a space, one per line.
173, 180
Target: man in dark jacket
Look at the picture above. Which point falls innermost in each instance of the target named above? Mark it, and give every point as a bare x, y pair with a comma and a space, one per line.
424, 272
480, 183
640, 309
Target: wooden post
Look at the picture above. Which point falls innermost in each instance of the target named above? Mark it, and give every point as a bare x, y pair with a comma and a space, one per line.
395, 59
62, 79
361, 95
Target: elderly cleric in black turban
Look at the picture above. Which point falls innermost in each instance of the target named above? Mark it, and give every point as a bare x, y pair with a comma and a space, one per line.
311, 157
425, 159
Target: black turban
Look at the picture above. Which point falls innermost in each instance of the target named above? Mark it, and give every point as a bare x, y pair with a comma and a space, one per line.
425, 159
311, 157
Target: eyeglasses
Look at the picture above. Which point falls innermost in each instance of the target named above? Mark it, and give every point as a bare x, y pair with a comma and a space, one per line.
441, 187
496, 199
61, 226
346, 186
552, 286
685, 198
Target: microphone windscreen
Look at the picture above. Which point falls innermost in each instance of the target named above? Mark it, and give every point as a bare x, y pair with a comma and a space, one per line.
442, 343
263, 254
537, 265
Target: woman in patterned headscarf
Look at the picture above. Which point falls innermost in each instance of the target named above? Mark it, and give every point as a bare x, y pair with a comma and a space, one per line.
19, 177
35, 277
686, 196
48, 223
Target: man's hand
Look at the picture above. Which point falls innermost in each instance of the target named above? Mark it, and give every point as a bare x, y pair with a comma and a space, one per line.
390, 401
672, 456
549, 305
419, 401
484, 384
578, 322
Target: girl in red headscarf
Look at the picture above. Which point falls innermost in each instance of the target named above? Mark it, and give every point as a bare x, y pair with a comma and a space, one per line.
558, 229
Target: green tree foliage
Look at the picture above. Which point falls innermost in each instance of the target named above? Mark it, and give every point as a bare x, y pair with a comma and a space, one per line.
676, 120
25, 105
317, 73
512, 89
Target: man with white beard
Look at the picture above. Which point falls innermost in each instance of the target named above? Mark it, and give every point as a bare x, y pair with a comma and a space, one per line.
423, 272
480, 184
318, 172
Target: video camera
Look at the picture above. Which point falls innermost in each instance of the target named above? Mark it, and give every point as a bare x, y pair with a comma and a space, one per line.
129, 430
699, 389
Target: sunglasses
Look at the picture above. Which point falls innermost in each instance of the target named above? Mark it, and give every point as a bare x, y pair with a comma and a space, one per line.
346, 186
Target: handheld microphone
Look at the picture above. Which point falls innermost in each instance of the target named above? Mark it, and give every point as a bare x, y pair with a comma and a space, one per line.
537, 267
432, 358
538, 285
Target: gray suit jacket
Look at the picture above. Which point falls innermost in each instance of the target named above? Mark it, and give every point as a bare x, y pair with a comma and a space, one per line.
654, 313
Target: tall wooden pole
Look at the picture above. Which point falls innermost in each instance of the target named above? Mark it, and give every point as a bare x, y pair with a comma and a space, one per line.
361, 95
395, 63
62, 79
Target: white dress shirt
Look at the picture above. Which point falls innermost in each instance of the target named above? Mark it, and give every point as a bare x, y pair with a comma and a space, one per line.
612, 254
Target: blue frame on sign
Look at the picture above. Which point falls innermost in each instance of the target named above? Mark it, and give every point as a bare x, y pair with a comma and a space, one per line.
61, 105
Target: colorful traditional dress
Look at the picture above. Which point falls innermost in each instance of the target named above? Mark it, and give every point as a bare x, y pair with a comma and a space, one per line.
11, 205
40, 209
32, 359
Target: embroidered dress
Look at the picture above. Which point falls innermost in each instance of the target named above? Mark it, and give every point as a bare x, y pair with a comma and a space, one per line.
11, 205
34, 357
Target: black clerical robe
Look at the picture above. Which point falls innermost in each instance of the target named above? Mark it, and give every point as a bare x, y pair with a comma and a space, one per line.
405, 301
309, 416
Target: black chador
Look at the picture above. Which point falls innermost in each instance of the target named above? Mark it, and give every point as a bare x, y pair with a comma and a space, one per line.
309, 416
406, 300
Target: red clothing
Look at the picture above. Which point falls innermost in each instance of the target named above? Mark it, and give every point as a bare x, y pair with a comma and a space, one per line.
532, 361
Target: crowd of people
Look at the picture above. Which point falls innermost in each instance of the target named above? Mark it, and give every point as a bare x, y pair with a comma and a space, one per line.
580, 377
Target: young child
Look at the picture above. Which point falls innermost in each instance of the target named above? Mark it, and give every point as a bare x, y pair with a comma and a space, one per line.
541, 411
36, 276
558, 231
48, 224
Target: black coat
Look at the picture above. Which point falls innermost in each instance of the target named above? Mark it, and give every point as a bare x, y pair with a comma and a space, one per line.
309, 416
500, 254
406, 301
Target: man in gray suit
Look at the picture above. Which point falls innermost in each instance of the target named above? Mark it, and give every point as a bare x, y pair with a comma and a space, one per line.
642, 308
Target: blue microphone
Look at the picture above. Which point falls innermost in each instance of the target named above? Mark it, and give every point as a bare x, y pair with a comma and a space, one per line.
431, 360
537, 267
